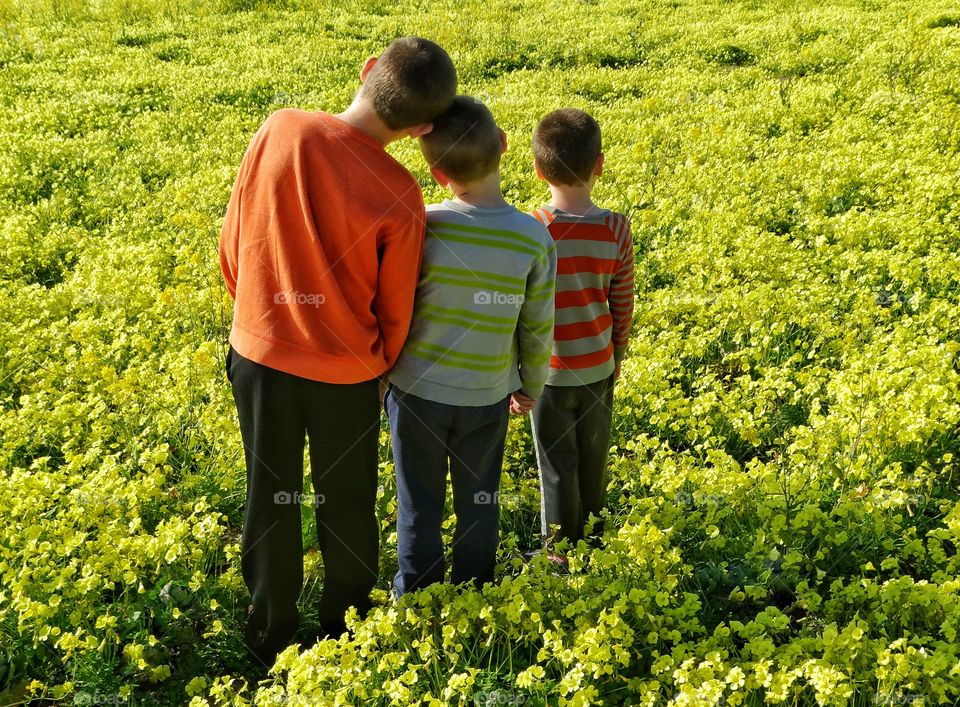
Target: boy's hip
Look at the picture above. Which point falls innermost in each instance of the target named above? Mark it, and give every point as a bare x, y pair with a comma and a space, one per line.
456, 389
434, 414
237, 364
595, 397
576, 377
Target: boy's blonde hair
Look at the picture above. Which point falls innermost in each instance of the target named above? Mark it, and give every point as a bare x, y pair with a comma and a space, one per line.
566, 144
465, 141
412, 82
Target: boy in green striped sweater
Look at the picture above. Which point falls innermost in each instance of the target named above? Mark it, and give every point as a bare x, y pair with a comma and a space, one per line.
479, 345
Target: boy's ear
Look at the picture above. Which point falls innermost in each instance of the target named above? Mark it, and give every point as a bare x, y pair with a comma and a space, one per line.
503, 140
536, 168
419, 130
598, 165
367, 68
442, 179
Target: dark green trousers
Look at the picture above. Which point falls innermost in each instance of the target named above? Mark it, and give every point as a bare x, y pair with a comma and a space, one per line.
571, 431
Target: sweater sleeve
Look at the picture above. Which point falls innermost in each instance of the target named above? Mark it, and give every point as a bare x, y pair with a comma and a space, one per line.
230, 230
621, 298
401, 252
535, 328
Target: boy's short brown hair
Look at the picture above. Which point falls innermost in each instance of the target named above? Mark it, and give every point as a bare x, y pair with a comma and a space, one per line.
412, 82
465, 141
566, 144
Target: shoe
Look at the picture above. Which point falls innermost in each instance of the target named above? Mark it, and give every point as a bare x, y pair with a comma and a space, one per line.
556, 559
258, 643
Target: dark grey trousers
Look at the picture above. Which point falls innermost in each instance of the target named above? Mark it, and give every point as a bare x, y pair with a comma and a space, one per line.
278, 414
571, 431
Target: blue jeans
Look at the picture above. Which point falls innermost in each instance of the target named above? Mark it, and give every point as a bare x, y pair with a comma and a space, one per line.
427, 436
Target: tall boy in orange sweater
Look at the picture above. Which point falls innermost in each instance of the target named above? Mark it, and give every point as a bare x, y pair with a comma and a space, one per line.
320, 249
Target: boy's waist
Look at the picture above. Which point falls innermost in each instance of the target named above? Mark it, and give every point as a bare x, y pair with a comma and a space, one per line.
562, 374
298, 357
468, 389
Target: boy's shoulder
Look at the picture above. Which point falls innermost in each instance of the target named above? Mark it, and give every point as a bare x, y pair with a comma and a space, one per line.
549, 213
288, 119
325, 135
535, 227
438, 209
509, 218
616, 221
310, 126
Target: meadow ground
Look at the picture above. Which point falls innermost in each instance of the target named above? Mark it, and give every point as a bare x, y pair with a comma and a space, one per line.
783, 521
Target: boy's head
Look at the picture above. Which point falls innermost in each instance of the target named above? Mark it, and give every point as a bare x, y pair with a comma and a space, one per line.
465, 144
567, 148
410, 83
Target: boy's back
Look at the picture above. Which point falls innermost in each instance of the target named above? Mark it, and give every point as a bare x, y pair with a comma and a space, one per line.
325, 291
320, 249
594, 296
594, 311
479, 348
485, 291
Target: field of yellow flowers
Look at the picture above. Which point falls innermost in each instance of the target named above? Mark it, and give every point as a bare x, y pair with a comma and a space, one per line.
784, 518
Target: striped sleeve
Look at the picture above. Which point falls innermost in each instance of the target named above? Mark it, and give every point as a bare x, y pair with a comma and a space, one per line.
543, 216
622, 285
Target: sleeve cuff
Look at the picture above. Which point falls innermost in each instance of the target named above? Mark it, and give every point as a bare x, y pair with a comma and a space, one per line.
532, 391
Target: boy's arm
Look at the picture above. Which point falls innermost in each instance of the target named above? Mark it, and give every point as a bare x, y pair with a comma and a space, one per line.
401, 250
230, 230
622, 290
535, 327
230, 239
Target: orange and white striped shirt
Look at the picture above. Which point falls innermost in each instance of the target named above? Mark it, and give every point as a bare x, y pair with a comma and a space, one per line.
594, 296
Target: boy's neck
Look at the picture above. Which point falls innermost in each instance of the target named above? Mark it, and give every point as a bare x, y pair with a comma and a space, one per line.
484, 192
574, 199
361, 115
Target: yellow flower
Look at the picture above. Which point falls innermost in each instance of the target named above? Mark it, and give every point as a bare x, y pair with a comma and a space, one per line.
196, 686
527, 678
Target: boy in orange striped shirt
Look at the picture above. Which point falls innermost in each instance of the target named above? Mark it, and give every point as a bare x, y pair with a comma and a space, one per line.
594, 311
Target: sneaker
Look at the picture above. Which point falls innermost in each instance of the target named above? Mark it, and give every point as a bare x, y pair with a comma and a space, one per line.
558, 560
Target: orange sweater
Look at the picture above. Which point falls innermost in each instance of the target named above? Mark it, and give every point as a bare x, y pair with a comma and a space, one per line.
320, 249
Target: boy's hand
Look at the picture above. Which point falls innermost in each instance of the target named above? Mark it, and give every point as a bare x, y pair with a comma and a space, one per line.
616, 373
521, 404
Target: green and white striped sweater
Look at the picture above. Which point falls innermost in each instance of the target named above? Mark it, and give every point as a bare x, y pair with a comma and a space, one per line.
483, 319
